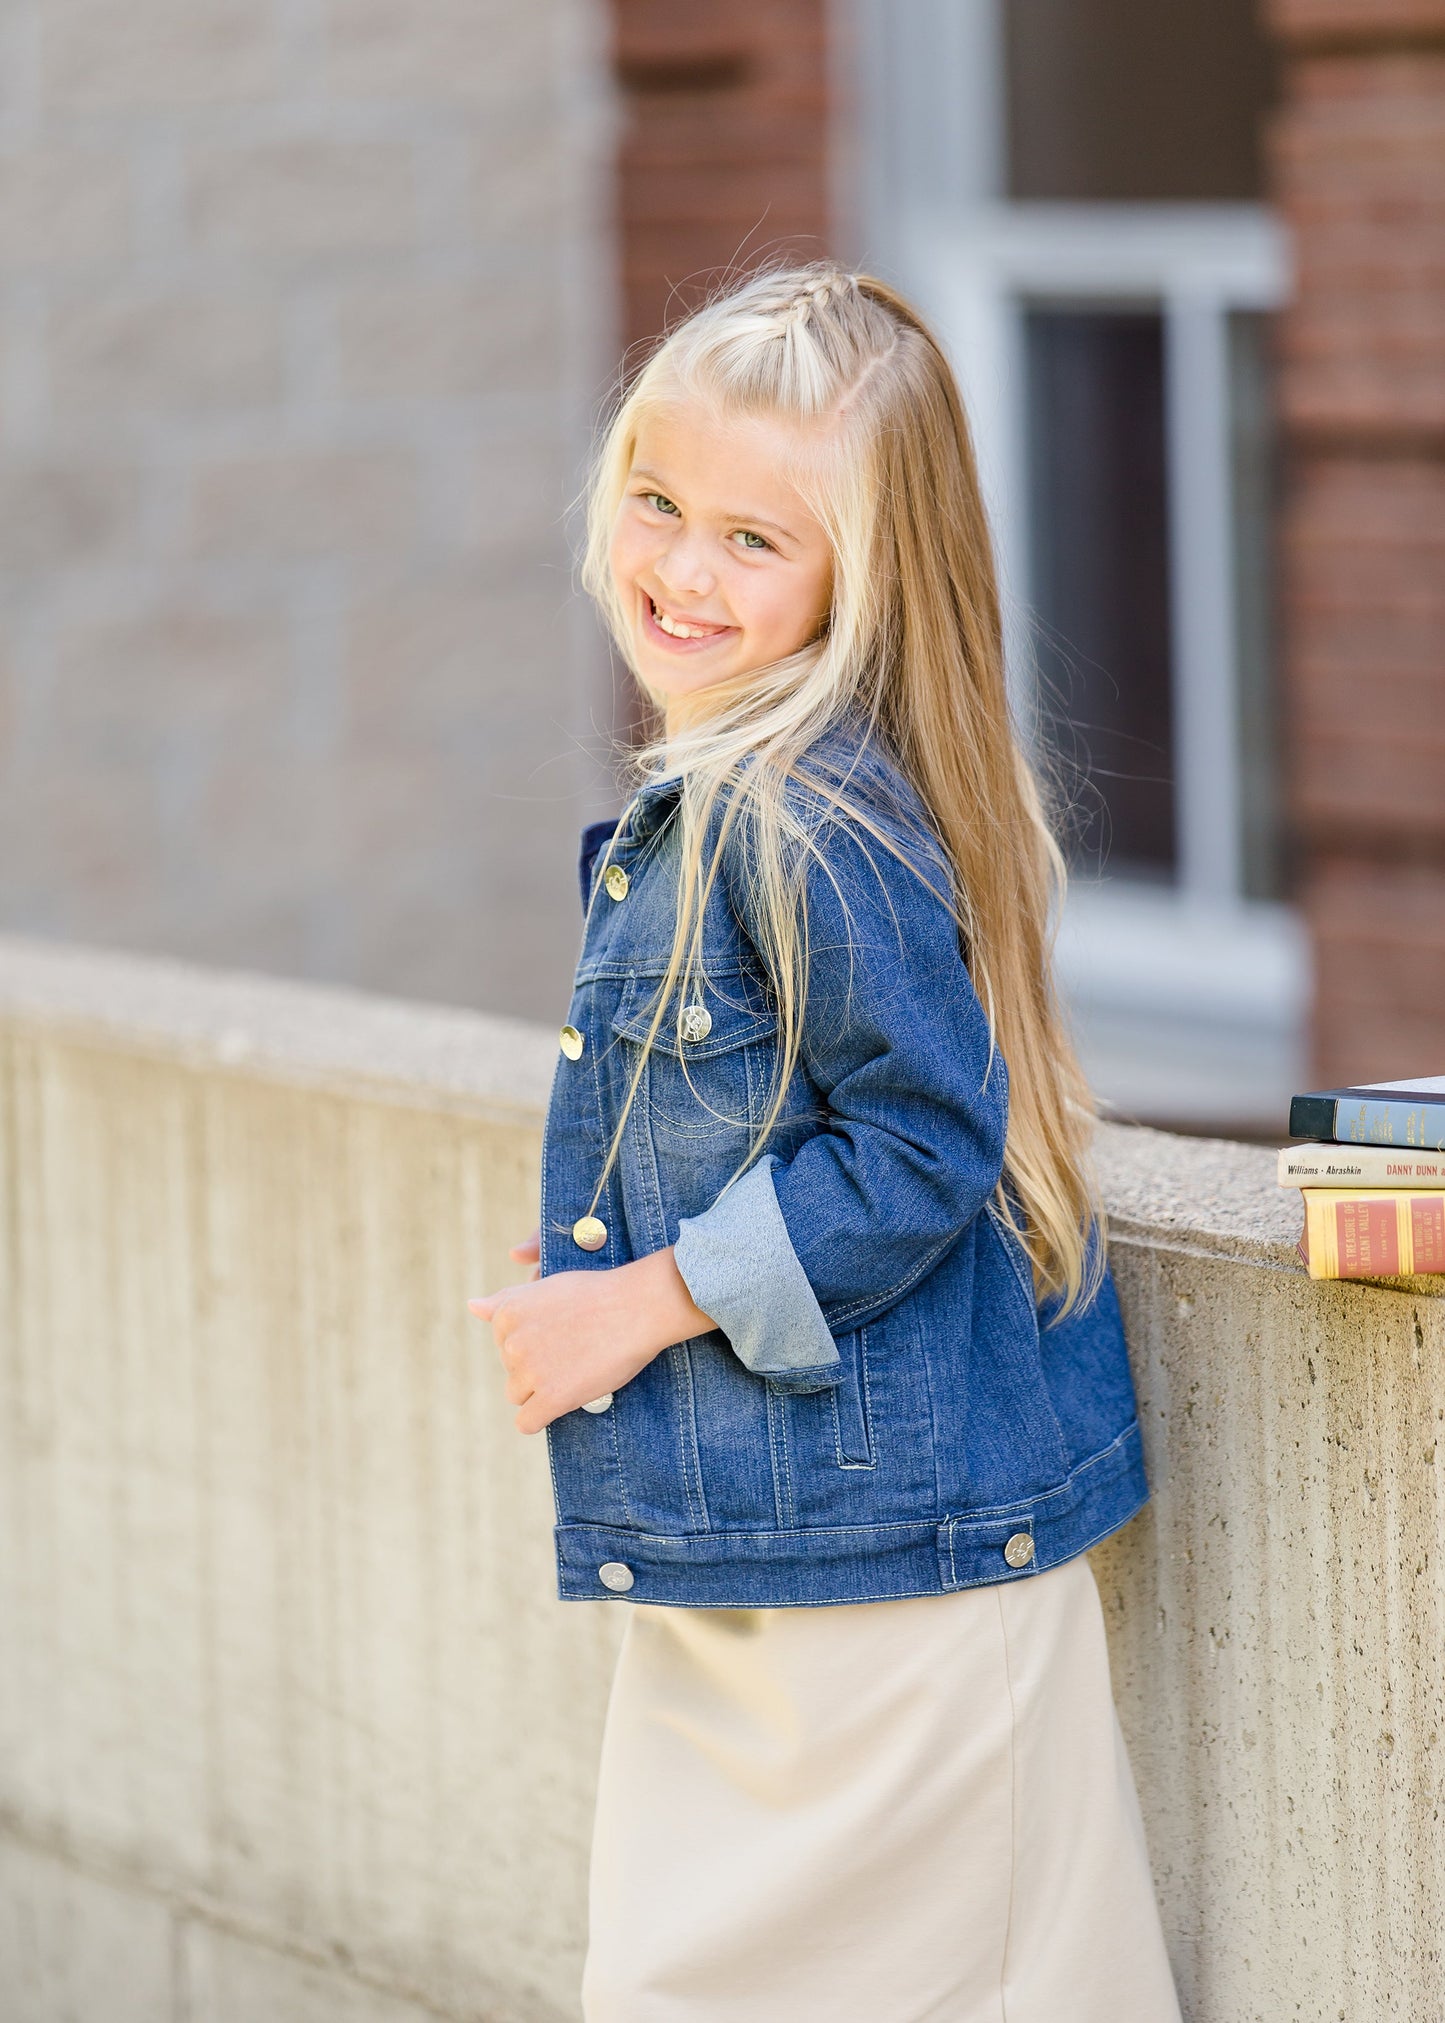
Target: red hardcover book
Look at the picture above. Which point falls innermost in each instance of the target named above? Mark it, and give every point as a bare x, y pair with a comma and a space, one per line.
1373, 1232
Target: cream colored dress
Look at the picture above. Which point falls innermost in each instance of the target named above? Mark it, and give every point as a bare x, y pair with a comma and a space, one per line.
915, 1811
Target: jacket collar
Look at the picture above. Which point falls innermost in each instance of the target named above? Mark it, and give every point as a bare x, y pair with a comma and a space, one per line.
651, 805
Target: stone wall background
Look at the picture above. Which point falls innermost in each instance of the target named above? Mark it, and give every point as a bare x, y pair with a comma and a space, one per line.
304, 307
1359, 175
725, 143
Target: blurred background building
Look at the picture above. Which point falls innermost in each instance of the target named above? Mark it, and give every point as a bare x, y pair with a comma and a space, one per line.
307, 310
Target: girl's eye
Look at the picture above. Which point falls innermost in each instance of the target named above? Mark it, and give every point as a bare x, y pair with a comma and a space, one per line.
663, 505
753, 541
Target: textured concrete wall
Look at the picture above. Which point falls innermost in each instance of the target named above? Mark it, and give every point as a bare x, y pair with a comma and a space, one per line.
291, 1725
1277, 1616
303, 309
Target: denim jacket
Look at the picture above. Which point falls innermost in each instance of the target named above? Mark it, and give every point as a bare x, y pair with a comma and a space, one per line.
881, 1409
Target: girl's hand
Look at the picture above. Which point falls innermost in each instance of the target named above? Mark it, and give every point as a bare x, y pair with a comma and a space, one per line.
575, 1335
529, 1251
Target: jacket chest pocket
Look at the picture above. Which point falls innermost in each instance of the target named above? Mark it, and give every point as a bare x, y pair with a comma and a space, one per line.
711, 1060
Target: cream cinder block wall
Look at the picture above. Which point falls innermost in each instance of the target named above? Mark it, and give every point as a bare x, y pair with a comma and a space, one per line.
291, 1724
304, 308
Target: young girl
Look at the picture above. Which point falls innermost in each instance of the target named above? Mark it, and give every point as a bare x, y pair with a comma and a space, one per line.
821, 1327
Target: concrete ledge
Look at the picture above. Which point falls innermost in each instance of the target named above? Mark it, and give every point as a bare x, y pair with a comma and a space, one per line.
290, 1717
348, 1041
1212, 1197
1200, 1192
1204, 1193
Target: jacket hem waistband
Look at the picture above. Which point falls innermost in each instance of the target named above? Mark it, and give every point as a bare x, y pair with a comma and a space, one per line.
815, 1566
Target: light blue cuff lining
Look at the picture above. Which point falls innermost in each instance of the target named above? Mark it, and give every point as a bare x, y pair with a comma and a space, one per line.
738, 1262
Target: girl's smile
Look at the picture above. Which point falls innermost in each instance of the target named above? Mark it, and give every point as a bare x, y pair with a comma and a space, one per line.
719, 563
681, 635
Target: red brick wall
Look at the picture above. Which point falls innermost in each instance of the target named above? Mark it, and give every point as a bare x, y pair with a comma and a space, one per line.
1359, 170
724, 150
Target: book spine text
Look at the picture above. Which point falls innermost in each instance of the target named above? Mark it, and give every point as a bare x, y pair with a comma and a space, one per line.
1374, 1233
1359, 1166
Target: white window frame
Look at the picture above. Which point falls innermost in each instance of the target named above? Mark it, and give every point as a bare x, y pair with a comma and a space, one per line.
1190, 1001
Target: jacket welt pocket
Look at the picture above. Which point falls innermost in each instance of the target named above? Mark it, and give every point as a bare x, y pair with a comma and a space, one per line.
852, 1404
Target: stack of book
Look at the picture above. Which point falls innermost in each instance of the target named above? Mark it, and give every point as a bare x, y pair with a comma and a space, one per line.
1373, 1178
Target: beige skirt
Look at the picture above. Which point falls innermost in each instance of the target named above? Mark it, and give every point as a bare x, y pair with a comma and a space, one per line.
915, 1811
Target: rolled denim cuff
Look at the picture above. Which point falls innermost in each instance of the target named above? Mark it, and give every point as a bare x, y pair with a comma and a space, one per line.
738, 1262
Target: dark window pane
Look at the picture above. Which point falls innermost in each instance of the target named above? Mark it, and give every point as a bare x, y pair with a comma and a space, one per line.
1136, 100
1099, 536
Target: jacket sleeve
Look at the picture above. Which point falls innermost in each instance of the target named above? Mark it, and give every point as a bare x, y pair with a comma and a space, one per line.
897, 1044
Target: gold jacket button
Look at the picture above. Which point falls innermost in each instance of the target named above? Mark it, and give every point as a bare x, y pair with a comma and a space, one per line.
1019, 1550
696, 1022
616, 881
589, 1233
572, 1043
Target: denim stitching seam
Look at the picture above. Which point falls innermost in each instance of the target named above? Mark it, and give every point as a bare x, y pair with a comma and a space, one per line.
880, 1302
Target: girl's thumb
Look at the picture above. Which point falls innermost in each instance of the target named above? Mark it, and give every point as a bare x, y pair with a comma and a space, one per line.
482, 1308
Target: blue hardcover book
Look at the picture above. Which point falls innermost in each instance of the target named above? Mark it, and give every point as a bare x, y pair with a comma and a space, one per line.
1409, 1114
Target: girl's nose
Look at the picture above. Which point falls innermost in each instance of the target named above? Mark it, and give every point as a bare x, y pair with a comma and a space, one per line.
683, 567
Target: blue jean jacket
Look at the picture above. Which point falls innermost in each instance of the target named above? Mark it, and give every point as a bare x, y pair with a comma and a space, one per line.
879, 1410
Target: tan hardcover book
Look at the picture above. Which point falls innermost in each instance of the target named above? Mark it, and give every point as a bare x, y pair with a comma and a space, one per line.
1373, 1232
1357, 1166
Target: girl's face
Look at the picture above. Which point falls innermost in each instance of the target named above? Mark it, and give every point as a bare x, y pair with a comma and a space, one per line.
719, 565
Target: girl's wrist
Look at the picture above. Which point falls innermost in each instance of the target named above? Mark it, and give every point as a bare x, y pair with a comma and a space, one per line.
667, 1309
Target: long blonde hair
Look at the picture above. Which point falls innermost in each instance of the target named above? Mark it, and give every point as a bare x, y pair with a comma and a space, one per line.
912, 650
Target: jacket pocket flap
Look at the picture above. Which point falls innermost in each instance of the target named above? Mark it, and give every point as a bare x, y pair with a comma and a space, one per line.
712, 1018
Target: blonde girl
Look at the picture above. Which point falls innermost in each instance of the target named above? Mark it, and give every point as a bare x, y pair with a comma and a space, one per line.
821, 1325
